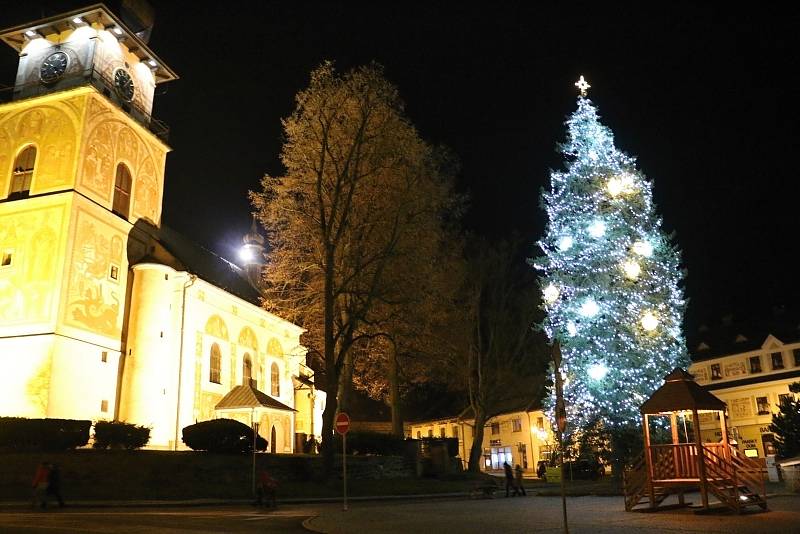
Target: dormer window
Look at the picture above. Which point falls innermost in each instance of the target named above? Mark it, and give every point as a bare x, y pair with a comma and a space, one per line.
777, 360
122, 191
22, 174
755, 364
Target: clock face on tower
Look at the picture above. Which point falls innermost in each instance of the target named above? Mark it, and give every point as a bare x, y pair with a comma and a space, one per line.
123, 83
53, 67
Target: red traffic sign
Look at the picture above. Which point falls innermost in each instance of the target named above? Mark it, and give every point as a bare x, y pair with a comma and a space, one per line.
342, 424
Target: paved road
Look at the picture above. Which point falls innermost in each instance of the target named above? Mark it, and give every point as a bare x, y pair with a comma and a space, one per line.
158, 520
589, 515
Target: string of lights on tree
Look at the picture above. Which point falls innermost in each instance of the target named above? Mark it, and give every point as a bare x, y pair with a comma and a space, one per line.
610, 278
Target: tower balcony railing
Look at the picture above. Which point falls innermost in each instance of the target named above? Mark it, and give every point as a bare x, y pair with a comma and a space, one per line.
96, 79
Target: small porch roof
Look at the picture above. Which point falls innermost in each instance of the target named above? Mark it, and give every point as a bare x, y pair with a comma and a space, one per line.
680, 392
249, 397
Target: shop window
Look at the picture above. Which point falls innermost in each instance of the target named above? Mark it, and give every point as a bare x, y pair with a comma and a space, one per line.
755, 364
419, 434
716, 373
777, 360
763, 405
495, 428
22, 174
516, 425
430, 432
215, 364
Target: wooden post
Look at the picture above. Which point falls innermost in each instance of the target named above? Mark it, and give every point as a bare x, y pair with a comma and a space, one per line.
701, 464
676, 458
726, 451
648, 458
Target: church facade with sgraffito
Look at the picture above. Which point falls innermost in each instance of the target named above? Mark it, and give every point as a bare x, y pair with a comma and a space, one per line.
105, 314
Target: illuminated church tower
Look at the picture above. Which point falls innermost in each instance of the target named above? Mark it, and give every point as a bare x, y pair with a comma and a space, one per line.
81, 163
105, 313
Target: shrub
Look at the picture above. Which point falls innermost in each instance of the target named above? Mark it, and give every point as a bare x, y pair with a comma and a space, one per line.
21, 434
372, 443
119, 435
221, 435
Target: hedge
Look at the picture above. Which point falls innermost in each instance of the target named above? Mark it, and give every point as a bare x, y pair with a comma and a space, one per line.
119, 435
22, 434
222, 435
372, 443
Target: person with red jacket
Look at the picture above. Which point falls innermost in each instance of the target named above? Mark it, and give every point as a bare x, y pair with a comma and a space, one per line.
41, 481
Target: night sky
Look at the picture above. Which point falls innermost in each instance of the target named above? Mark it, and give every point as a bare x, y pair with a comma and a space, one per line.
703, 96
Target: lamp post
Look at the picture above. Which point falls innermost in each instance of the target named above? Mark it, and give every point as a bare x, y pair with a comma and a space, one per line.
561, 422
255, 442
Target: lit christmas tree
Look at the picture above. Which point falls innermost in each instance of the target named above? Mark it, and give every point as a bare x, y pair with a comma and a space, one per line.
610, 277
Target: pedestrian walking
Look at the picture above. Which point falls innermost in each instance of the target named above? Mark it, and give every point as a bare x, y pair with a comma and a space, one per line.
509, 479
518, 479
265, 492
54, 484
40, 483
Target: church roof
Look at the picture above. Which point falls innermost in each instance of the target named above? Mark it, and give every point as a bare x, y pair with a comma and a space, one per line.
249, 397
680, 392
194, 258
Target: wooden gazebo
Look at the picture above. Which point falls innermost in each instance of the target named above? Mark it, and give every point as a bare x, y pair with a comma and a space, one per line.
686, 463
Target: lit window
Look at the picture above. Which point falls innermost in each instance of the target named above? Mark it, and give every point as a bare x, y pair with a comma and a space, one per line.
216, 364
540, 423
716, 372
275, 380
22, 174
455, 431
763, 405
247, 369
122, 191
777, 360
495, 428
755, 364
516, 425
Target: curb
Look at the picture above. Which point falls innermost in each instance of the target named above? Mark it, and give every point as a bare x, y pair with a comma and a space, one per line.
307, 525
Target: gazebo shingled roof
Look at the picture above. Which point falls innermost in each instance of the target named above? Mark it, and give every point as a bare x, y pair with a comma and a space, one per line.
680, 392
249, 397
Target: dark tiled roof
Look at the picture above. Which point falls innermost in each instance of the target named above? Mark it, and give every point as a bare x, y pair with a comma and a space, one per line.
731, 336
250, 397
196, 259
511, 406
680, 392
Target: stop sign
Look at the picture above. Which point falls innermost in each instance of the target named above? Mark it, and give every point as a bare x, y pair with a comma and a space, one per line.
342, 424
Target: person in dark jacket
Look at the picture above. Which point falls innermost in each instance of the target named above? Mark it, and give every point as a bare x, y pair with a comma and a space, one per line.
509, 479
54, 484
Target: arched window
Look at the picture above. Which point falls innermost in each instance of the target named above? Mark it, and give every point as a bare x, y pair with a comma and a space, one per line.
122, 191
247, 369
22, 174
275, 380
216, 364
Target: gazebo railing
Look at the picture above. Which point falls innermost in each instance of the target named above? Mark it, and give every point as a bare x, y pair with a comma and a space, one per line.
679, 461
